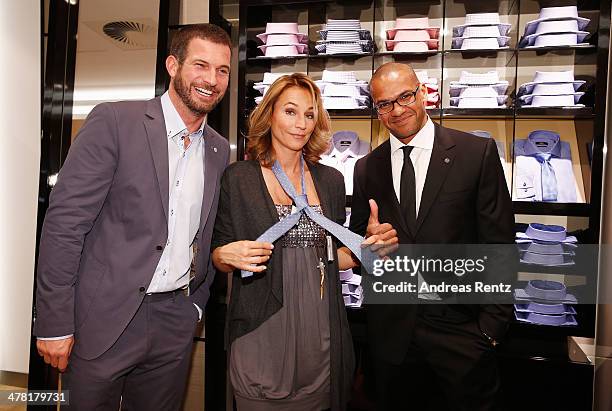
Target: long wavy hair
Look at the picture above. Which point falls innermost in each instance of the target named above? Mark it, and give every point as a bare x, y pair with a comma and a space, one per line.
259, 144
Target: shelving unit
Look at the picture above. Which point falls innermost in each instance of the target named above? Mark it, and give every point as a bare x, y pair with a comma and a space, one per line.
579, 126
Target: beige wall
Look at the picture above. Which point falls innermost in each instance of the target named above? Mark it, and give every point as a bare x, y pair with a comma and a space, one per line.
19, 173
193, 12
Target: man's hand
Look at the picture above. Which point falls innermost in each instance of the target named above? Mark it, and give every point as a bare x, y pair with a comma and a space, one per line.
56, 352
386, 236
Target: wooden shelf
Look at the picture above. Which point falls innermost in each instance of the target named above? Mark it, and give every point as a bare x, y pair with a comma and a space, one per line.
560, 209
555, 112
477, 112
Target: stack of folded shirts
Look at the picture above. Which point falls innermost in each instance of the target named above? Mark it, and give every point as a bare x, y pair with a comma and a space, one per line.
545, 303
344, 37
481, 31
551, 89
546, 245
264, 85
433, 94
342, 90
478, 90
412, 35
283, 40
555, 26
352, 291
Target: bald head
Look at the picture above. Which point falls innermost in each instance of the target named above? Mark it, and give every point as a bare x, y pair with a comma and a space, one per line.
397, 94
394, 70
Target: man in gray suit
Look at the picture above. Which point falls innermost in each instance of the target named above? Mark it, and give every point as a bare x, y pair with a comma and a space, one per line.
124, 269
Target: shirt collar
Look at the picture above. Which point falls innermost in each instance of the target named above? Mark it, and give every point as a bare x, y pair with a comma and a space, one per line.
552, 140
350, 151
423, 139
174, 123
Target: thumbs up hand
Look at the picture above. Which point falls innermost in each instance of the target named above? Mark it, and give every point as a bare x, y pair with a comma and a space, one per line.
373, 220
386, 236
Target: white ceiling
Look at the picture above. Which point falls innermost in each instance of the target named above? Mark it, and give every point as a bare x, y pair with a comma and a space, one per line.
105, 71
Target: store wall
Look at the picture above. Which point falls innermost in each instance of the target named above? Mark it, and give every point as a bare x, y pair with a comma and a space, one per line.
19, 172
109, 70
193, 12
602, 395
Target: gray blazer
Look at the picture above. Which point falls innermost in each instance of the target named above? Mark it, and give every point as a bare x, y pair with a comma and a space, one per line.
106, 225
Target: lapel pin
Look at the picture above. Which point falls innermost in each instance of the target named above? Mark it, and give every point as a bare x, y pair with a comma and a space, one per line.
215, 149
447, 160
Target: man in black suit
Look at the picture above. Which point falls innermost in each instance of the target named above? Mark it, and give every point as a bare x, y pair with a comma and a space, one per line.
450, 190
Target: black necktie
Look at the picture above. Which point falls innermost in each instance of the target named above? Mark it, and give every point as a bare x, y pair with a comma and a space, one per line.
408, 189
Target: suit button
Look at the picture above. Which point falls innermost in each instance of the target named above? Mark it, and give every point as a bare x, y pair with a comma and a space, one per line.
159, 247
142, 289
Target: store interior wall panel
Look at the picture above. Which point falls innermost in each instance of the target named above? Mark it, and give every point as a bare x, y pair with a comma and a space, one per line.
193, 12
20, 125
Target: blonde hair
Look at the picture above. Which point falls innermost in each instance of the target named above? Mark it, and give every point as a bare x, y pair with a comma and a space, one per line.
259, 144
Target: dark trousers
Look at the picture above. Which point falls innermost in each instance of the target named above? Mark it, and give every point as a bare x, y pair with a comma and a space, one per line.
146, 368
449, 366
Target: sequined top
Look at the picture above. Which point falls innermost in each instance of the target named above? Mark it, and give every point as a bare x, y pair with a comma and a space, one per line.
306, 233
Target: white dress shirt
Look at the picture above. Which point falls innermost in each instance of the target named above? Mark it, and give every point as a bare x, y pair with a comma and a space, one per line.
528, 172
346, 149
420, 156
186, 184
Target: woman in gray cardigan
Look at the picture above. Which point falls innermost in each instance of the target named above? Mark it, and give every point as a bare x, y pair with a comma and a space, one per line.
287, 332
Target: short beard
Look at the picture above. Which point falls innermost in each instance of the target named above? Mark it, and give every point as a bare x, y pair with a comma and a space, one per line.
182, 90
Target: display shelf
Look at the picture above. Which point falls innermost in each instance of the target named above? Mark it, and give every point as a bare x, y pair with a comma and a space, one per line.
480, 51
280, 58
340, 56
575, 270
352, 113
520, 330
559, 209
409, 54
555, 112
477, 112
547, 49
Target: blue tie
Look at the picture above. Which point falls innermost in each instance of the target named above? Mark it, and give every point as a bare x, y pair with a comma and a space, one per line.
348, 238
549, 179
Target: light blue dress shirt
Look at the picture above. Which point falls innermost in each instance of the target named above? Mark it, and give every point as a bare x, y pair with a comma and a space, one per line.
528, 170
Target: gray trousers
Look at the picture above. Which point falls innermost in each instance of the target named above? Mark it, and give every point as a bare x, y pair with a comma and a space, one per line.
146, 368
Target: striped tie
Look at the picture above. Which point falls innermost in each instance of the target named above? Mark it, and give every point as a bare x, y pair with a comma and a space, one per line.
347, 237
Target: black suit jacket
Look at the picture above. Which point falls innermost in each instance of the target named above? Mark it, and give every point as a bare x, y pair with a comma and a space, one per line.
465, 200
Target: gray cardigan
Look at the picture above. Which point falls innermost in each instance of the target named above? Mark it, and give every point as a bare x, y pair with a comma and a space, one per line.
245, 211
